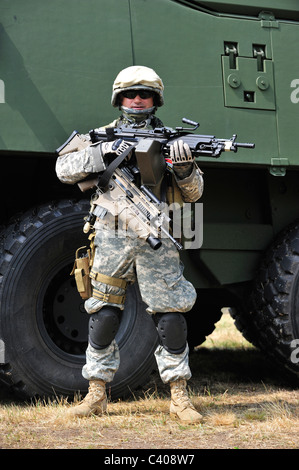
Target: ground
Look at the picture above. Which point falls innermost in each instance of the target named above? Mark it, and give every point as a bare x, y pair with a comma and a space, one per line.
245, 402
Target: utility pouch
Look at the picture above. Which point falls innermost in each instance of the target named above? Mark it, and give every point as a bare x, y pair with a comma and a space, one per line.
81, 271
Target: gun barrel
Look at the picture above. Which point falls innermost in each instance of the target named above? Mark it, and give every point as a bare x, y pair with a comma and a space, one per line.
245, 145
174, 241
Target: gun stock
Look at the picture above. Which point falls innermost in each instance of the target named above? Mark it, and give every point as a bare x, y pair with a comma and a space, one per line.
87, 184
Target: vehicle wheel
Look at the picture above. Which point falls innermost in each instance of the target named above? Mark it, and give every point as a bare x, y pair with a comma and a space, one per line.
274, 310
43, 324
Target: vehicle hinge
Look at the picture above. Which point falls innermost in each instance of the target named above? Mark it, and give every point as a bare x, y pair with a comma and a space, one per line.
260, 53
231, 49
248, 82
268, 20
278, 166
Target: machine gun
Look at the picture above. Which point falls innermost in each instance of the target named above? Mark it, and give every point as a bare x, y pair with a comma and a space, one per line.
125, 198
200, 145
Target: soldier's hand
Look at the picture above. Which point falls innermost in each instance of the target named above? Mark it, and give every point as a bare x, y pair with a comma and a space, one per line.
114, 147
180, 153
99, 151
182, 158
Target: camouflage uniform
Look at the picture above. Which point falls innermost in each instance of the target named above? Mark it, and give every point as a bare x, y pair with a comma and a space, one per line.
160, 273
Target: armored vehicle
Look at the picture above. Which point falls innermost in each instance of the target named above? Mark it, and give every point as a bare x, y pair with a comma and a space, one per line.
229, 65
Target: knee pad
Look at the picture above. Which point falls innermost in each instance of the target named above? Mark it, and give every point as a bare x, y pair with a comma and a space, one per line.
172, 331
103, 326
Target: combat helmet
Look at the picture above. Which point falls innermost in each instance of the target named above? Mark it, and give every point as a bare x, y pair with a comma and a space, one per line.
137, 77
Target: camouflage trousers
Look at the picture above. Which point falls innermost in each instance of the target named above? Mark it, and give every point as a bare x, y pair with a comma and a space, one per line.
103, 364
162, 287
159, 272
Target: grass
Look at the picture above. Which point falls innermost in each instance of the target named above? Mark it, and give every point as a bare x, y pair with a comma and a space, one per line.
244, 402
226, 336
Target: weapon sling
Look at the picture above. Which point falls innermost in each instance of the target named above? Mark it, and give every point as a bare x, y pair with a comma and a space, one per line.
105, 177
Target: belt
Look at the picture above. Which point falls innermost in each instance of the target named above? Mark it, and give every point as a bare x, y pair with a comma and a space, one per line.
105, 279
111, 298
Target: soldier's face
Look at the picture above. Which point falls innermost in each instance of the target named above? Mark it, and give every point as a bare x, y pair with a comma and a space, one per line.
137, 102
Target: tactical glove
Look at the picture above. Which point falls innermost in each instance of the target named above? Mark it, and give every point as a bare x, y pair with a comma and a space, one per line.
115, 147
99, 150
182, 159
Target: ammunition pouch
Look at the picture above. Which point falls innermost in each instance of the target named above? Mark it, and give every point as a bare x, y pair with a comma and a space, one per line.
81, 269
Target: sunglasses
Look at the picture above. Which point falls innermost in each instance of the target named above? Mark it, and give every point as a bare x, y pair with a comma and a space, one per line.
143, 94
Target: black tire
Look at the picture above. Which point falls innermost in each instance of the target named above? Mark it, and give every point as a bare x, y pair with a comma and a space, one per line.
43, 324
274, 308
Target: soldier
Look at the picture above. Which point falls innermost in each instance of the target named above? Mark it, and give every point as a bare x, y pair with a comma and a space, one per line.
137, 92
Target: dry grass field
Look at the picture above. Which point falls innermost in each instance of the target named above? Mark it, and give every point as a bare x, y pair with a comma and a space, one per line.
244, 402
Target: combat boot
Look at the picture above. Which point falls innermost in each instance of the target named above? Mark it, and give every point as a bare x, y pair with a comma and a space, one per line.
181, 406
95, 401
